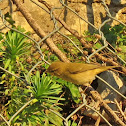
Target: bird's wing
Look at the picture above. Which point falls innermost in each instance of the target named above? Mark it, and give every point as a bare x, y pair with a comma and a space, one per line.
81, 67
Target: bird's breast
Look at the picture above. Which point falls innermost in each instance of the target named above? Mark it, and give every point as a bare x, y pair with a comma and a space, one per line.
79, 78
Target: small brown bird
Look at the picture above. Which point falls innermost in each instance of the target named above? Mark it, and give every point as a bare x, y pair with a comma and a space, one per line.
77, 73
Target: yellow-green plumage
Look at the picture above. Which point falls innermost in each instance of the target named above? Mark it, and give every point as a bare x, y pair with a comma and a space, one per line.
77, 73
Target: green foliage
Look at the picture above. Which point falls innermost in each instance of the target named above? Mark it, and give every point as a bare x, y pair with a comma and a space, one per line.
115, 35
13, 48
75, 94
1, 36
70, 123
53, 57
43, 91
14, 45
122, 54
53, 118
72, 89
89, 37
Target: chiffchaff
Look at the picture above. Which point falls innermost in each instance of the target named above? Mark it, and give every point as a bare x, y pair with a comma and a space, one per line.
77, 73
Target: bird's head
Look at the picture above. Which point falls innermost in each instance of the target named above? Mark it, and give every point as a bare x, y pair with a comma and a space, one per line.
55, 68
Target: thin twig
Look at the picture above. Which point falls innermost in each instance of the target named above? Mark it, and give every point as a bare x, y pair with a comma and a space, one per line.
23, 107
99, 114
122, 113
5, 120
12, 74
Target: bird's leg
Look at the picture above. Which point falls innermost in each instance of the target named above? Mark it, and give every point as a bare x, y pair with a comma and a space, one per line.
87, 90
83, 95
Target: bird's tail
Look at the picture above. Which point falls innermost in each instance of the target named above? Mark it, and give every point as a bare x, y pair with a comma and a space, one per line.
104, 68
